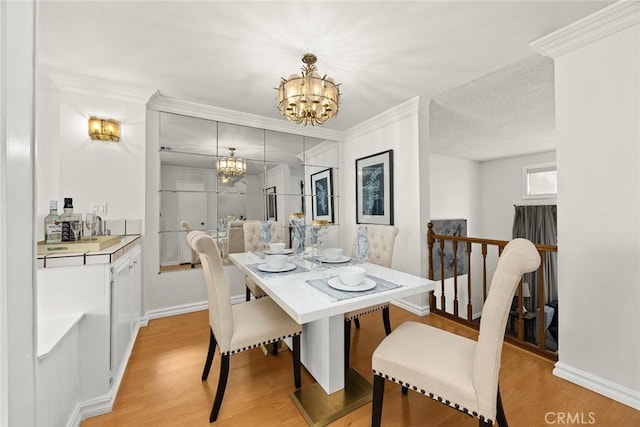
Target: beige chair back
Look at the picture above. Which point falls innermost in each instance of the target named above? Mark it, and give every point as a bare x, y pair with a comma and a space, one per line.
236, 237
195, 259
218, 293
518, 257
381, 241
253, 235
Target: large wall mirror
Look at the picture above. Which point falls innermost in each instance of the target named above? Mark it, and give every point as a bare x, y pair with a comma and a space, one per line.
279, 174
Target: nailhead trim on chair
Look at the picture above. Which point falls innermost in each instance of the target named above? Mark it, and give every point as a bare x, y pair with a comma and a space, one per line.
374, 309
434, 397
259, 344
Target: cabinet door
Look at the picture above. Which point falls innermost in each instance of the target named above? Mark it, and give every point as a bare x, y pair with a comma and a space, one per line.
136, 290
126, 305
121, 307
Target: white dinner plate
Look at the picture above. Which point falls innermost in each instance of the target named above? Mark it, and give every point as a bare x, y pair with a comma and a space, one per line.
367, 284
287, 267
340, 260
284, 252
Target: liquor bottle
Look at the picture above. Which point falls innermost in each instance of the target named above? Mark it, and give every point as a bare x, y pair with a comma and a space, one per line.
65, 218
52, 224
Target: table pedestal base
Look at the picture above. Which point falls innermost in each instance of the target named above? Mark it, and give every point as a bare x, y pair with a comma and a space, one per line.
319, 408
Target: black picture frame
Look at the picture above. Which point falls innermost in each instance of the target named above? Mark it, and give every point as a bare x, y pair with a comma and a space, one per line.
374, 189
322, 195
271, 204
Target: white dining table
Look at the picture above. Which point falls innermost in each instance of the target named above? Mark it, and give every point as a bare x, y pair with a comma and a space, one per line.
322, 316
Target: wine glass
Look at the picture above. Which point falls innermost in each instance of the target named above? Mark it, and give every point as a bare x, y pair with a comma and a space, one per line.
90, 221
297, 222
319, 229
76, 225
362, 244
266, 234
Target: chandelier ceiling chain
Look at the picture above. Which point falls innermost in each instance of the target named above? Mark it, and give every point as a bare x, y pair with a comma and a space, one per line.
308, 98
231, 166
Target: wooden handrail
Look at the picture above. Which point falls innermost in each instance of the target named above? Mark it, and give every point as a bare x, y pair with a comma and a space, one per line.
467, 242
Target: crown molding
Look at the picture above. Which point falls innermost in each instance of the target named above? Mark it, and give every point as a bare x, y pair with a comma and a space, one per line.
399, 112
168, 104
612, 19
91, 85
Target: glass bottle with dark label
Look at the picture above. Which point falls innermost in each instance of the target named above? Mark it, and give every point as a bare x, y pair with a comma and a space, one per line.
52, 224
67, 215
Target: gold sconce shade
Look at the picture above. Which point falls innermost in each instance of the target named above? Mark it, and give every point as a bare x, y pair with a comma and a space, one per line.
104, 129
308, 98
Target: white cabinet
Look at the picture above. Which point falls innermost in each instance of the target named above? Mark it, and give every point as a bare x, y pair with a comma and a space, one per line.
104, 298
125, 307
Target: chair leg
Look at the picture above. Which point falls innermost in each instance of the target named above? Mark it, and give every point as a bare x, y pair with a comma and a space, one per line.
378, 394
210, 354
247, 294
405, 390
501, 418
296, 361
274, 348
222, 385
386, 321
356, 321
347, 344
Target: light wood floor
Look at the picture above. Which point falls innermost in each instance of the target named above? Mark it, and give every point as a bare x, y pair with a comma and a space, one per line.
162, 386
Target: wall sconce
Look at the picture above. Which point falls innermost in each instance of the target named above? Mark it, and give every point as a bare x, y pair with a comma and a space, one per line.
104, 129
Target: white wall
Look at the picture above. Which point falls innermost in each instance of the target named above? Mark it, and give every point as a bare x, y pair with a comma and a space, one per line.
17, 192
70, 164
401, 136
455, 192
597, 107
501, 188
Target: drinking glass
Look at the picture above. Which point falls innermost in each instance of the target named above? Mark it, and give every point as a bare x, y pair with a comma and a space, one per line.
90, 221
76, 225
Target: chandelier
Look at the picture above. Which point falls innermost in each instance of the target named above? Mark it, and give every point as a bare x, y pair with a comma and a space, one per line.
231, 166
308, 98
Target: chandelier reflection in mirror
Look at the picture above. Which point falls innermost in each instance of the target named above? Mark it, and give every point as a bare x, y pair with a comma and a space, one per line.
308, 98
230, 167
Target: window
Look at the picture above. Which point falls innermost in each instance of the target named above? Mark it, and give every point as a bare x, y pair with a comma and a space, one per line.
539, 181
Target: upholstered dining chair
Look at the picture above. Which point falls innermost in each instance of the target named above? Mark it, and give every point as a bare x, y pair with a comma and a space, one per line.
253, 242
451, 369
236, 239
381, 241
238, 327
195, 258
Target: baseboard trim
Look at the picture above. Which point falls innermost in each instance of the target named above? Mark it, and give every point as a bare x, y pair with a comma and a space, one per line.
175, 310
91, 408
599, 385
419, 310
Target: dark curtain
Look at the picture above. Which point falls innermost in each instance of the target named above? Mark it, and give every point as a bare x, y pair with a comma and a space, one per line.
539, 224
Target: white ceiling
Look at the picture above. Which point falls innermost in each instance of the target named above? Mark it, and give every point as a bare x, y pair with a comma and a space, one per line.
492, 96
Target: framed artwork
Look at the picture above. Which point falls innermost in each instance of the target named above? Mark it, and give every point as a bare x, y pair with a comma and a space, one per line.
271, 204
321, 192
374, 189
450, 227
